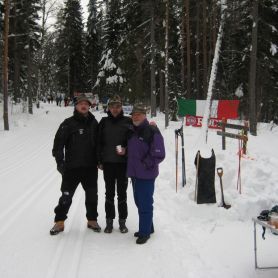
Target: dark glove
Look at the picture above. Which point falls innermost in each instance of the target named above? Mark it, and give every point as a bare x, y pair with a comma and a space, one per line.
61, 168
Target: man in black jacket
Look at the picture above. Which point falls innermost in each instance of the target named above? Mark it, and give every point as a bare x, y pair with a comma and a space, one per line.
75, 153
112, 142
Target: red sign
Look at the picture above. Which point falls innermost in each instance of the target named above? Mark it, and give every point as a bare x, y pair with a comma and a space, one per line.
196, 121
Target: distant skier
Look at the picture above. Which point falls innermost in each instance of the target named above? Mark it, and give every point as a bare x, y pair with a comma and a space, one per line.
145, 151
113, 131
75, 153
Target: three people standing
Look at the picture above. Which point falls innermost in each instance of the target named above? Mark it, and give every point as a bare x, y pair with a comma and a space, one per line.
121, 147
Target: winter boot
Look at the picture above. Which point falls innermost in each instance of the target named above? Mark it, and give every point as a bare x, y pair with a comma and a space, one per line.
122, 226
109, 226
142, 239
57, 228
92, 224
136, 234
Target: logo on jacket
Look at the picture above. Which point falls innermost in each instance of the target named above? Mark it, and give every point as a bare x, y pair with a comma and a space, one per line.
81, 131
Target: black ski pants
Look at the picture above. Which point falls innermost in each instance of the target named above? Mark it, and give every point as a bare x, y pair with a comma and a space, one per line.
115, 177
87, 176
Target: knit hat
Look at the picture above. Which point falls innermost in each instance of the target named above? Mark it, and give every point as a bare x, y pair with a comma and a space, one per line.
115, 100
82, 98
139, 108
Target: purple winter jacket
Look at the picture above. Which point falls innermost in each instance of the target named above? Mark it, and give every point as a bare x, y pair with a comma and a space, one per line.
145, 151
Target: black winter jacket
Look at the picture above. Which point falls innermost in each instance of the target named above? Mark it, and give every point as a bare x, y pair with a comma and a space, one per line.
76, 141
113, 131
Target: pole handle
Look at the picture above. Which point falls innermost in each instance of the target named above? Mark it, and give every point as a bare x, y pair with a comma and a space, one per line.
220, 171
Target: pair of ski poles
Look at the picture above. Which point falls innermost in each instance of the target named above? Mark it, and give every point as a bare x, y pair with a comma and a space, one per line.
179, 132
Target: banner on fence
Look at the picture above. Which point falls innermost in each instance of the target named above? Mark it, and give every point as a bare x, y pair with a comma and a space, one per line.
196, 121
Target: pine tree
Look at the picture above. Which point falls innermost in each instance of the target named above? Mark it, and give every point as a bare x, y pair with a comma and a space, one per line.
70, 57
24, 43
61, 55
110, 77
93, 44
267, 66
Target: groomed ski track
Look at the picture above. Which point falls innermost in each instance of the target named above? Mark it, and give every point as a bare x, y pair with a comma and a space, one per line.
189, 241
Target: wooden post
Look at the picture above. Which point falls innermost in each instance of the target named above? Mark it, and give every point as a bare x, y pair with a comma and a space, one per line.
224, 121
245, 133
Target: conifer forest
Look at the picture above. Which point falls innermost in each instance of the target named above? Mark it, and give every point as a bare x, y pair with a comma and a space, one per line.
142, 50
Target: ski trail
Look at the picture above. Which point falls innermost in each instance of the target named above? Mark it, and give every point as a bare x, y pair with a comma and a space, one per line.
56, 261
25, 201
27, 194
29, 159
77, 250
8, 152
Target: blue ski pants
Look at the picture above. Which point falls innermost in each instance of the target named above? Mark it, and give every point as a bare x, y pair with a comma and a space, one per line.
143, 196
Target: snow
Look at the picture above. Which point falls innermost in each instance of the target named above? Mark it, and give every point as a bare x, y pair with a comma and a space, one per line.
190, 240
214, 69
273, 49
239, 91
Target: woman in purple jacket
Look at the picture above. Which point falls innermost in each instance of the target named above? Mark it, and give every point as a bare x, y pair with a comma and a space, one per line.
145, 151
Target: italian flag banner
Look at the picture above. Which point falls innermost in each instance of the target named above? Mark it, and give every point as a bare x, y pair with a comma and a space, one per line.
227, 109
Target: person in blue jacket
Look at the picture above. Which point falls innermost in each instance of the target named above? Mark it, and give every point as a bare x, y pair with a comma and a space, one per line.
145, 151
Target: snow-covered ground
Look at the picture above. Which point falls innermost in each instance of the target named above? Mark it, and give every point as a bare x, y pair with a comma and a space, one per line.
190, 240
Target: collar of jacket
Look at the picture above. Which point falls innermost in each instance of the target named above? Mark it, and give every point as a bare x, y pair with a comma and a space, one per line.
141, 126
81, 118
120, 116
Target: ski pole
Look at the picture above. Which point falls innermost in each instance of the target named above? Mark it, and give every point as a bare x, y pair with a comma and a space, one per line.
183, 159
197, 172
220, 174
176, 144
239, 166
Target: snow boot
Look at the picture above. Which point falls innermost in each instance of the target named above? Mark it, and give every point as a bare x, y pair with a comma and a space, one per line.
136, 234
109, 226
92, 224
57, 228
122, 226
142, 239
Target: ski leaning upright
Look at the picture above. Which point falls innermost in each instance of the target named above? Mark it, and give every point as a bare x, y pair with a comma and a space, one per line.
179, 132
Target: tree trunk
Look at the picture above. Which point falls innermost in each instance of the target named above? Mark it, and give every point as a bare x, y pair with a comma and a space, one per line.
214, 69
153, 86
205, 59
182, 37
166, 64
253, 69
188, 49
29, 76
16, 79
161, 86
41, 52
5, 64
139, 73
198, 50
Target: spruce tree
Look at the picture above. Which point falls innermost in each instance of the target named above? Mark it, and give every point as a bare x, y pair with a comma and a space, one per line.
93, 45
110, 77
23, 44
70, 56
